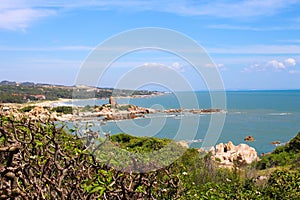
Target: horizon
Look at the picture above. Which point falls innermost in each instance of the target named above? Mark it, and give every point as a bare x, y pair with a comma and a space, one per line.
253, 45
202, 90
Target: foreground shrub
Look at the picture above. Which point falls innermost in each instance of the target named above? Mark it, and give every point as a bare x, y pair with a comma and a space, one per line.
40, 161
283, 184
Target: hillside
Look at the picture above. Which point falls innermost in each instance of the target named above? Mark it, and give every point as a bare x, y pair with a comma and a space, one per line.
13, 92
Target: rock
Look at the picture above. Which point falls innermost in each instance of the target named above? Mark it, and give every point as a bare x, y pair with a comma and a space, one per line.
183, 143
205, 111
150, 111
265, 154
5, 108
249, 138
230, 146
53, 116
112, 102
261, 179
219, 148
210, 110
173, 111
39, 113
275, 142
122, 115
226, 154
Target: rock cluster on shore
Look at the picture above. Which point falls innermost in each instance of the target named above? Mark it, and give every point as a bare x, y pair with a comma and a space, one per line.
227, 154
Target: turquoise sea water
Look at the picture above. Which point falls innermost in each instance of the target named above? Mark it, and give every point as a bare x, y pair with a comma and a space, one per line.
266, 115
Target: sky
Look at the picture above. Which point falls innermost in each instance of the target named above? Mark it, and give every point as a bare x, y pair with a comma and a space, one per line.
254, 44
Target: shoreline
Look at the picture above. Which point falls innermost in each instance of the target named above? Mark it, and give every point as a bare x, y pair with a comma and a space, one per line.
49, 103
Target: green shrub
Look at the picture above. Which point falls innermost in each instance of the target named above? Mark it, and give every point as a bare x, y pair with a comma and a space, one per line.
124, 107
139, 144
282, 155
283, 184
294, 144
27, 108
63, 109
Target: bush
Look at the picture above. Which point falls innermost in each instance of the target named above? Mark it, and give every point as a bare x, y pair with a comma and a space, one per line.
282, 155
139, 144
39, 160
283, 184
27, 108
294, 144
63, 109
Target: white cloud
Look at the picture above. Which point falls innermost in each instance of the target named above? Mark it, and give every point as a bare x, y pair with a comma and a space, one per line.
19, 14
178, 67
233, 27
274, 65
153, 64
251, 28
219, 66
224, 9
175, 66
290, 62
57, 48
255, 67
294, 71
257, 49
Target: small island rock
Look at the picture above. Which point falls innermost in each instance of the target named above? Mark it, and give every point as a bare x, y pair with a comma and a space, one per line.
249, 138
275, 142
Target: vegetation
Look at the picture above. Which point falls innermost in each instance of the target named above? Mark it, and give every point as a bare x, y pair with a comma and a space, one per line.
25, 93
63, 109
27, 108
139, 144
11, 92
288, 155
39, 160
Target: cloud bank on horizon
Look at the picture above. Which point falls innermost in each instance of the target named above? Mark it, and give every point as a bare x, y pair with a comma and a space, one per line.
257, 37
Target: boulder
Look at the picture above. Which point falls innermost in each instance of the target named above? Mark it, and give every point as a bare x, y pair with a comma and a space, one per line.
226, 154
112, 102
249, 138
275, 142
183, 143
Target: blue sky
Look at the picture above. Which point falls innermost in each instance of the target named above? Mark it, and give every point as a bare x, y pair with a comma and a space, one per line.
255, 44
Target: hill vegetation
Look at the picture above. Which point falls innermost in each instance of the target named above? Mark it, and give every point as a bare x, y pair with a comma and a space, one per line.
40, 160
12, 92
284, 156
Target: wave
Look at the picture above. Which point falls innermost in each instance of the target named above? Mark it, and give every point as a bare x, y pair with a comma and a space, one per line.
280, 114
236, 112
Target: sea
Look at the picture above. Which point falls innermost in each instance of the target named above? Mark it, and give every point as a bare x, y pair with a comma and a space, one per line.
267, 116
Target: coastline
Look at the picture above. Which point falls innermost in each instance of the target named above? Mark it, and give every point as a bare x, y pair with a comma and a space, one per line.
248, 114
51, 103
